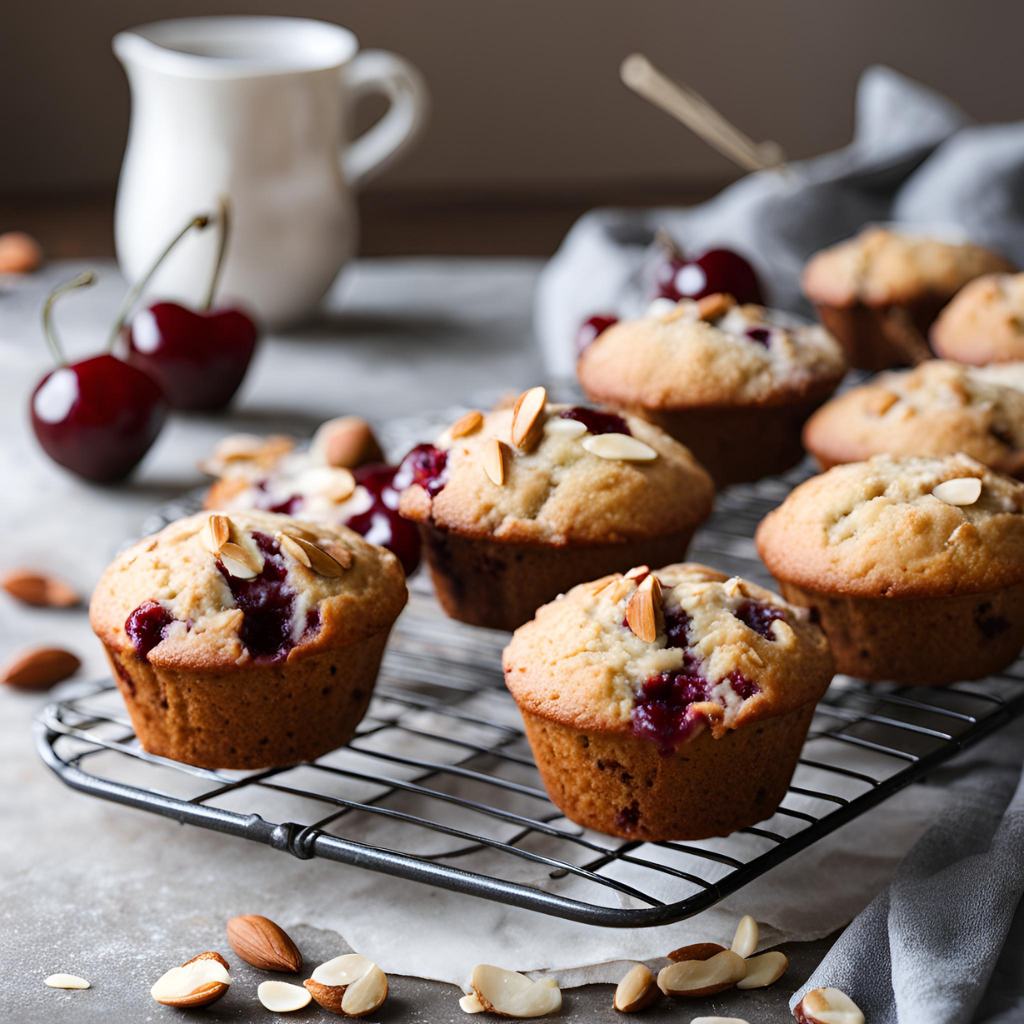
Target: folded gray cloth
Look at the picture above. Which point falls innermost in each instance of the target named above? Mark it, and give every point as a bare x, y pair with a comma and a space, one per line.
915, 158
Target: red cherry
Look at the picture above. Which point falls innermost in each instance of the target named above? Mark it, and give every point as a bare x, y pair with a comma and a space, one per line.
590, 330
717, 270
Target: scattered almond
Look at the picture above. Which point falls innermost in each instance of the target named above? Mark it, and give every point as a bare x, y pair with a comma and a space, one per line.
311, 555
347, 442
199, 982
745, 940
509, 994
527, 417
619, 446
636, 991
711, 307
718, 1020
264, 944
695, 951
350, 985
466, 425
20, 253
702, 977
965, 490
827, 1006
39, 589
66, 981
470, 1004
39, 668
494, 461
764, 970
643, 607
281, 997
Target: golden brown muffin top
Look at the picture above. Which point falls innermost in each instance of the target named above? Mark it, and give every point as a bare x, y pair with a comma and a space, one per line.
937, 408
215, 591
710, 353
984, 322
738, 651
579, 477
880, 267
899, 528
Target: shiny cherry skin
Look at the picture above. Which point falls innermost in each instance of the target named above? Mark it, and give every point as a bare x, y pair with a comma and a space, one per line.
97, 417
197, 358
717, 270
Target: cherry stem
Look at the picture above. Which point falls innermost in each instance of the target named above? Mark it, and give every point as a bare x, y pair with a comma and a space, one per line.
668, 243
83, 279
136, 290
223, 223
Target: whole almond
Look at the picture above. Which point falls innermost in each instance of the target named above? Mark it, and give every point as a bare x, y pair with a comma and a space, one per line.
642, 609
264, 944
39, 589
39, 668
636, 991
348, 442
696, 951
697, 978
827, 1006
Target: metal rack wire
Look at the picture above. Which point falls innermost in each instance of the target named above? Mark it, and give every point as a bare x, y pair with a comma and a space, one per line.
439, 785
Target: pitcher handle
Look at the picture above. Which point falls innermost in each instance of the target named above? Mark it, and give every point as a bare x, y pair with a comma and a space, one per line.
380, 71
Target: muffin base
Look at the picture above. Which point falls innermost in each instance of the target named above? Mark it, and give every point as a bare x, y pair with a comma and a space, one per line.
861, 331
256, 716
623, 786
930, 641
501, 586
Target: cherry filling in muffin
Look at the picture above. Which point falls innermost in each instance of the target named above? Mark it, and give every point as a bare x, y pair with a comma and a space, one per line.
595, 421
759, 617
759, 334
146, 625
380, 523
288, 507
428, 466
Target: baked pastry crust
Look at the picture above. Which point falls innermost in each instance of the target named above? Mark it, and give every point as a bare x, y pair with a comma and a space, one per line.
938, 408
875, 529
984, 323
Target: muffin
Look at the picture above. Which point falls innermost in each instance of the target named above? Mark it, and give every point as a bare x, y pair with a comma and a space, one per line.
733, 383
914, 566
984, 323
879, 292
668, 705
340, 478
247, 641
518, 505
938, 408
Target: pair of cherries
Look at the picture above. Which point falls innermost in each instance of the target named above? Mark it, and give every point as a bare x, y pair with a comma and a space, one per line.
99, 416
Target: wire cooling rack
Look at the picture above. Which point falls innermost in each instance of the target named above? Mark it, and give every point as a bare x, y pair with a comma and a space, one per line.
439, 785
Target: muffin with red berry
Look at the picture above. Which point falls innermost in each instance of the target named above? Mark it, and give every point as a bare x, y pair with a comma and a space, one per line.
879, 292
984, 323
522, 503
250, 640
734, 383
914, 566
340, 478
668, 704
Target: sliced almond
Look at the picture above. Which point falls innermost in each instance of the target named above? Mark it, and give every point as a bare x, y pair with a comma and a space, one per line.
239, 448
880, 401
560, 427
282, 997
643, 607
744, 942
827, 1006
311, 555
964, 490
199, 982
494, 461
718, 1020
636, 991
347, 442
66, 981
238, 562
695, 951
470, 1004
264, 944
624, 447
637, 572
702, 977
351, 985
764, 970
509, 994
39, 589
335, 483
711, 307
466, 425
339, 553
216, 532
527, 417
39, 668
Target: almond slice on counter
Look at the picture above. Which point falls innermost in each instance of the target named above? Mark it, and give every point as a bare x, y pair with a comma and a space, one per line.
964, 490
494, 461
643, 607
623, 447
263, 944
466, 425
744, 942
636, 991
66, 981
39, 589
39, 668
351, 985
718, 1020
470, 1004
509, 994
526, 417
827, 1006
282, 997
695, 951
199, 982
702, 977
764, 970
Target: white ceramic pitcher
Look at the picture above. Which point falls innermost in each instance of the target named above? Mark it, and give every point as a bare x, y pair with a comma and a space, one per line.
256, 109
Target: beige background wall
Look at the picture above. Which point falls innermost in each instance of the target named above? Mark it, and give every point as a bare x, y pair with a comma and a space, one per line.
526, 92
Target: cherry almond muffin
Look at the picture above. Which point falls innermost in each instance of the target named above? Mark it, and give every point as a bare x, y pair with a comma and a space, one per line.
733, 383
937, 408
880, 291
914, 566
670, 704
247, 641
518, 505
984, 323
